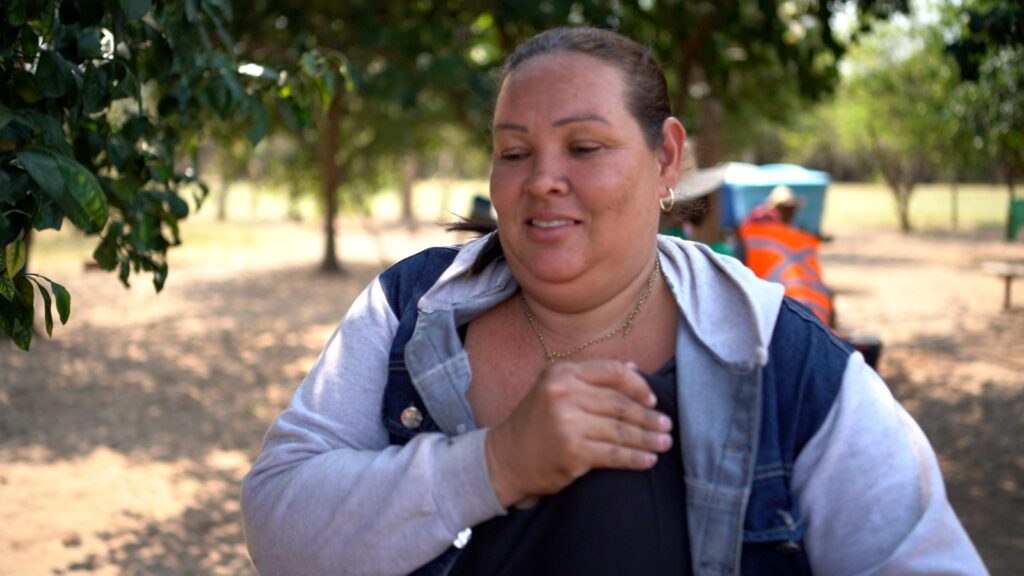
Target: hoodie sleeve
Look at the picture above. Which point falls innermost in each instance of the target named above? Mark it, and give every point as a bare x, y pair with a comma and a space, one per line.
872, 492
328, 495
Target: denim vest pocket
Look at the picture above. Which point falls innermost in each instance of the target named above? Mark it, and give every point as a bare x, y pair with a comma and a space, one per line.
773, 530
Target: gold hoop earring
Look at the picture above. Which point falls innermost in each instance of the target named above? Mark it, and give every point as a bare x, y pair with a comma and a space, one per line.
667, 207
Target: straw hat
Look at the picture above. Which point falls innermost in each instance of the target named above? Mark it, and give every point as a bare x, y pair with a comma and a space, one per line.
783, 195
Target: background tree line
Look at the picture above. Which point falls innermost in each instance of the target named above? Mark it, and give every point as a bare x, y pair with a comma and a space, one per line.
109, 109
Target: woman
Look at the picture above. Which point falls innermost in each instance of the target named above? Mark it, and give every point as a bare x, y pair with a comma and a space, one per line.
585, 395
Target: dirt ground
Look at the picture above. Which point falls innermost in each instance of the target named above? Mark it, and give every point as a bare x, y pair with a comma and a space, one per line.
123, 440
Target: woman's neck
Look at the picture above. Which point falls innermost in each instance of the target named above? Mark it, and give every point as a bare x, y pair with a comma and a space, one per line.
567, 316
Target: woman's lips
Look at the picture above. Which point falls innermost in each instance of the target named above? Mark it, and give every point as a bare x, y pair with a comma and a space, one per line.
554, 229
553, 223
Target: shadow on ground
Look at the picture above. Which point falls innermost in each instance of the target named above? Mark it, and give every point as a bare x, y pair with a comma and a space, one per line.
976, 431
201, 378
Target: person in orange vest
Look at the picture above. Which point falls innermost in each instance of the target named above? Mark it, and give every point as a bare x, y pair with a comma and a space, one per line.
777, 251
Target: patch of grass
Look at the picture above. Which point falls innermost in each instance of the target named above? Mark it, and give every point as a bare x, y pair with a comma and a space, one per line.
980, 207
258, 219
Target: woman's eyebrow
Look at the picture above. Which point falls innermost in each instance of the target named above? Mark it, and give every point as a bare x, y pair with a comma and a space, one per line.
586, 117
509, 126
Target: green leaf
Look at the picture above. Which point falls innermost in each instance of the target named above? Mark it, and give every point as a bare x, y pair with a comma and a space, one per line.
42, 167
47, 312
86, 192
191, 10
6, 115
50, 217
26, 86
6, 287
179, 208
260, 124
53, 75
135, 9
22, 334
127, 86
48, 173
160, 276
106, 253
15, 13
96, 89
46, 127
21, 329
118, 150
124, 270
16, 254
89, 44
63, 297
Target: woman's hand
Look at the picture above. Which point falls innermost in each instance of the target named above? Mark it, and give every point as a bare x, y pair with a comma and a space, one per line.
577, 417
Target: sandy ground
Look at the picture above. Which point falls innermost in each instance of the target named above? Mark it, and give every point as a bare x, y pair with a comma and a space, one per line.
123, 439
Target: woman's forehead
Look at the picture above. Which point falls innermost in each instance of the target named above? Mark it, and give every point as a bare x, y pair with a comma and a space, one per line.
562, 83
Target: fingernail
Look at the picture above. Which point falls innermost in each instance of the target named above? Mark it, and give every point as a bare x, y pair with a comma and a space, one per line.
631, 365
651, 459
664, 441
665, 423
652, 400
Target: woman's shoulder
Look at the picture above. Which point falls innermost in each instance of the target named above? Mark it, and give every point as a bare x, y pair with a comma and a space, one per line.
408, 279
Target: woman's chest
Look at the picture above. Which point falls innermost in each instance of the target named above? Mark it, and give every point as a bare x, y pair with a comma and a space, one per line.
504, 366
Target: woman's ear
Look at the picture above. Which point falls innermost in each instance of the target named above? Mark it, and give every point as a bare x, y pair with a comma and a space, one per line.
671, 153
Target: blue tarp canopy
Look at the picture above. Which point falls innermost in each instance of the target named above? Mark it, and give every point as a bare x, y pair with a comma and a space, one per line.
747, 185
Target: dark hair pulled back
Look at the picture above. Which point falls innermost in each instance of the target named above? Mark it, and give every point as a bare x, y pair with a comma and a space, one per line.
646, 90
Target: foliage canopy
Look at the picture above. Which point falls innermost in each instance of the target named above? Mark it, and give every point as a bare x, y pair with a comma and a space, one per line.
102, 105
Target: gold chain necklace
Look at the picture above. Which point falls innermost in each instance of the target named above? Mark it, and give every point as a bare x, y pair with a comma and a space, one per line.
550, 356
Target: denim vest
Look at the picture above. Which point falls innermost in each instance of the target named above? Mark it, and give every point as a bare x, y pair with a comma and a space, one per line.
741, 427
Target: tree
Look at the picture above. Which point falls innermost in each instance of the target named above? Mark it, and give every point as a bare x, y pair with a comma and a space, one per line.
102, 105
405, 70
988, 48
893, 106
754, 62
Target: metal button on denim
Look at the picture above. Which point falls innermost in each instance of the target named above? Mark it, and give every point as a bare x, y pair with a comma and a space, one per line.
412, 417
789, 547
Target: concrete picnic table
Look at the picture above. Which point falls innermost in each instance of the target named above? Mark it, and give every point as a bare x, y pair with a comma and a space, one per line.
1008, 270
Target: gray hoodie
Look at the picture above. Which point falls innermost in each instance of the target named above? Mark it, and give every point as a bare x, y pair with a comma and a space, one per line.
329, 495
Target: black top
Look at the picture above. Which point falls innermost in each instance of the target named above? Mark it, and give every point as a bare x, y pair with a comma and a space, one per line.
606, 522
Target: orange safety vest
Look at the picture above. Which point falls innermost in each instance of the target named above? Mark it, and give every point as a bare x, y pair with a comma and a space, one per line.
781, 253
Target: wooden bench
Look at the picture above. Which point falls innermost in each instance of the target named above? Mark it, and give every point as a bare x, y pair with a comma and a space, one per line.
1008, 271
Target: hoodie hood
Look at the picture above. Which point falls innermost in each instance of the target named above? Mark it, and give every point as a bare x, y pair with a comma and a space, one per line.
729, 310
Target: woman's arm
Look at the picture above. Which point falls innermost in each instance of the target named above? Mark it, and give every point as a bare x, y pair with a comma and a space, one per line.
329, 496
870, 488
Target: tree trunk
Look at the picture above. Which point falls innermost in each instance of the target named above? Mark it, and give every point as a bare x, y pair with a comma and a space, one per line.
331, 177
410, 171
222, 203
294, 214
444, 174
689, 62
954, 208
1010, 186
899, 175
903, 206
710, 152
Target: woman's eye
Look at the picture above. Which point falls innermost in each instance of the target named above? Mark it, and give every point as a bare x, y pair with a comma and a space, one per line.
583, 149
512, 155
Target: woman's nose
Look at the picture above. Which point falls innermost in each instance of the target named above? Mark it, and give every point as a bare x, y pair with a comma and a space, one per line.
547, 175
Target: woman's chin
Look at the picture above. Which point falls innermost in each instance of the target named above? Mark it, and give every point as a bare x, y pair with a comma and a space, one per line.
551, 268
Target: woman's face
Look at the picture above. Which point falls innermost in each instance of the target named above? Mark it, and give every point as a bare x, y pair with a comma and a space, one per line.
573, 181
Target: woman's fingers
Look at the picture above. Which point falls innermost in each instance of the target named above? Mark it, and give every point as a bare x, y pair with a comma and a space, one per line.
579, 416
609, 374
